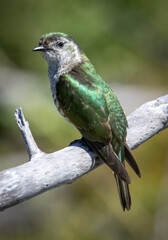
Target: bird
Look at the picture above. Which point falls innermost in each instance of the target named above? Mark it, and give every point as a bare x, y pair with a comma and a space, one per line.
85, 100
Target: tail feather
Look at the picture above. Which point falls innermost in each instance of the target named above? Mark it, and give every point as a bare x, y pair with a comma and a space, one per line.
106, 153
131, 160
117, 164
122, 186
124, 193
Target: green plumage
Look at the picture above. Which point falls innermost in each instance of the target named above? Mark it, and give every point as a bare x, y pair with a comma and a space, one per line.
91, 105
83, 98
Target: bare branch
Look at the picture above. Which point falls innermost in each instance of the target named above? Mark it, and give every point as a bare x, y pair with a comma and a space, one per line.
46, 171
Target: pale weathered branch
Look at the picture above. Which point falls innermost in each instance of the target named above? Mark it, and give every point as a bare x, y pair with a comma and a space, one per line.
46, 171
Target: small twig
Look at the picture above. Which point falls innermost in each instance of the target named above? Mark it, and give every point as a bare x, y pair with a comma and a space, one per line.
47, 171
23, 125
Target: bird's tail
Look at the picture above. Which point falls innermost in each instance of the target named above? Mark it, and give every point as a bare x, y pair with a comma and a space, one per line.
122, 186
116, 163
107, 154
124, 193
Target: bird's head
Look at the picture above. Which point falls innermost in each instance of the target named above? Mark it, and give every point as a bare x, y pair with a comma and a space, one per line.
59, 50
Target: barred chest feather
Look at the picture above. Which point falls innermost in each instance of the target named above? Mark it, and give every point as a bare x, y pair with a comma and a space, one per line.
53, 82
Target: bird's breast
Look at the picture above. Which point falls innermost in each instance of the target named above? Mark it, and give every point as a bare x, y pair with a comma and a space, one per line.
55, 89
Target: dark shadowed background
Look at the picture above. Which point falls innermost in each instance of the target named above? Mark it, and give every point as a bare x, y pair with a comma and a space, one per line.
127, 41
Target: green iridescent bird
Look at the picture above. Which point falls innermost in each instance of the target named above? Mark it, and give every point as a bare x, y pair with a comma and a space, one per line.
86, 101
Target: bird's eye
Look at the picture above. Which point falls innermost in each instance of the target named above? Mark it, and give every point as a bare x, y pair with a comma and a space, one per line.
41, 42
60, 44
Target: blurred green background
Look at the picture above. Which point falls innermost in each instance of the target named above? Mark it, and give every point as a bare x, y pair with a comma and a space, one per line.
127, 41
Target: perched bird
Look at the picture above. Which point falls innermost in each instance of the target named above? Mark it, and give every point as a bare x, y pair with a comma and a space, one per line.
85, 100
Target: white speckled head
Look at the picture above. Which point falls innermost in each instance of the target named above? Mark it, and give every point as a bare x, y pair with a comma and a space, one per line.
60, 51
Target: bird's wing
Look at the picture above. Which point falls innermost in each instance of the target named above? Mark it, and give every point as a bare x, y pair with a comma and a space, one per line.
87, 107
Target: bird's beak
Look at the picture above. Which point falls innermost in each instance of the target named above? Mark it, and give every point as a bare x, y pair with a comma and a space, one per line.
40, 48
